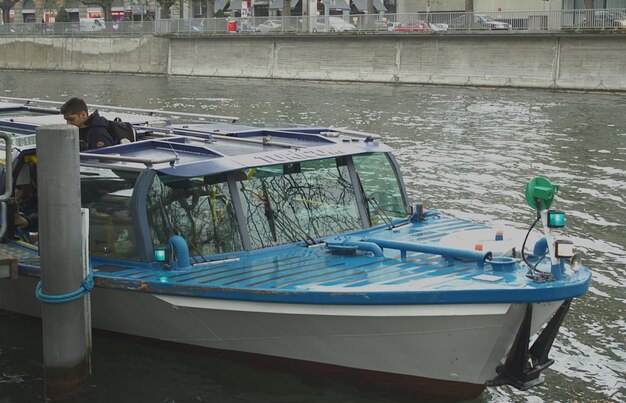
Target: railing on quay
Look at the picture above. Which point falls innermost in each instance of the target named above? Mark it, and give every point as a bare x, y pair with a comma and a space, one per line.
438, 22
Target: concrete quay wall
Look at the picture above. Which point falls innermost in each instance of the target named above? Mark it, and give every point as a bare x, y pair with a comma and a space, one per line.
544, 60
90, 54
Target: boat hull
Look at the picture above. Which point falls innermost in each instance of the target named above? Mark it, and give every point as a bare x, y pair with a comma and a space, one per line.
454, 349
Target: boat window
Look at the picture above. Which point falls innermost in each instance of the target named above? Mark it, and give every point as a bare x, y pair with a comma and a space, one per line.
107, 195
381, 187
26, 218
296, 201
198, 209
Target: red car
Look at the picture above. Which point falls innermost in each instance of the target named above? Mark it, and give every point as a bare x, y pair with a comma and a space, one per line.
416, 26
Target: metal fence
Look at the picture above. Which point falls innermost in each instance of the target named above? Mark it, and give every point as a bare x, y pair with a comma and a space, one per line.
440, 22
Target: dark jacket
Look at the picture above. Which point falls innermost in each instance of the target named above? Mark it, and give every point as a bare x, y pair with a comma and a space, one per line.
96, 134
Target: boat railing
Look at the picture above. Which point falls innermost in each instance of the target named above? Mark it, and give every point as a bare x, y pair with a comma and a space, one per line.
376, 246
23, 139
266, 140
356, 133
148, 162
150, 112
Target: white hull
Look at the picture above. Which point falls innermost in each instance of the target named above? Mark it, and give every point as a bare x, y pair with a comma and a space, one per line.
458, 343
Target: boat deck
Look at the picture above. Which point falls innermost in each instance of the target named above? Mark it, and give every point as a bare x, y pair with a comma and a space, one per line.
302, 274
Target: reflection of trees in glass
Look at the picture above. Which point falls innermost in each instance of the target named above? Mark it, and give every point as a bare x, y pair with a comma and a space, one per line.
107, 195
381, 187
300, 201
199, 212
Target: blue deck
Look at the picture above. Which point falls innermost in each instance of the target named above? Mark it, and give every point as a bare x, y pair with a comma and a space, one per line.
289, 274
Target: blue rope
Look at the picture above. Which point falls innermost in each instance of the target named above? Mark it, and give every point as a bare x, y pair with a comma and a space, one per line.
85, 286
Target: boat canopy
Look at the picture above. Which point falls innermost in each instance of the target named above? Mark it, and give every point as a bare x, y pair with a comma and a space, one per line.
241, 191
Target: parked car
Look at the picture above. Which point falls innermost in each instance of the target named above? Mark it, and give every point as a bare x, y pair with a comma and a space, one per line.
609, 18
415, 26
192, 26
247, 26
438, 26
381, 25
92, 24
270, 26
335, 24
480, 22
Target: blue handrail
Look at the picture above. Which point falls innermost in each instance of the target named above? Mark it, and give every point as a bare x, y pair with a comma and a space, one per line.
403, 247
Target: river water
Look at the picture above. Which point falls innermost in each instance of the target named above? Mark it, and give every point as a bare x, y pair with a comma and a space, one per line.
465, 151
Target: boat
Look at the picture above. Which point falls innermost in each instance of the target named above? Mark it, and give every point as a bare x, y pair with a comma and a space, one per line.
299, 245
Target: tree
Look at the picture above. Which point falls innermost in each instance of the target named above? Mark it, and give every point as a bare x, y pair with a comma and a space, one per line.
62, 15
371, 14
210, 8
47, 5
166, 6
286, 8
6, 6
469, 16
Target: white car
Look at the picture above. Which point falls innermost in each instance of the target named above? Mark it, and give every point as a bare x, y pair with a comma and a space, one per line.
335, 24
480, 22
270, 26
438, 26
92, 24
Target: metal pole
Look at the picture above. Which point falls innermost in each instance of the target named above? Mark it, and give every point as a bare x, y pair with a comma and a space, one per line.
326, 16
66, 326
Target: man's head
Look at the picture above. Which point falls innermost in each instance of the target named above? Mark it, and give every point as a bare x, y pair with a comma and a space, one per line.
75, 112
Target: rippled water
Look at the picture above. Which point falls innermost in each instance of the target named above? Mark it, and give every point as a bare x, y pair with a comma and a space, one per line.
465, 151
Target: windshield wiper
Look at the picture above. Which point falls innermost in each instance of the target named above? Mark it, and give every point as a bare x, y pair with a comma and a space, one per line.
380, 211
269, 212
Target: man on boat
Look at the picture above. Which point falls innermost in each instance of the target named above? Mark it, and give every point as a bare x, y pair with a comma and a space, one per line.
93, 129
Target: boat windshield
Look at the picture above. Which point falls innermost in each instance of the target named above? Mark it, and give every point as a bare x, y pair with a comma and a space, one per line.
381, 187
298, 201
107, 194
198, 209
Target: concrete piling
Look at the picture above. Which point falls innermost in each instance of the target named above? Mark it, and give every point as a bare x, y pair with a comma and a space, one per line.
67, 325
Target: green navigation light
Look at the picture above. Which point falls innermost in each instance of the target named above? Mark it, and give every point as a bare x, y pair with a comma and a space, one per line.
556, 219
539, 193
159, 255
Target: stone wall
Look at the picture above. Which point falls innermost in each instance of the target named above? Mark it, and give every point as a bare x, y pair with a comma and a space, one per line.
98, 54
541, 60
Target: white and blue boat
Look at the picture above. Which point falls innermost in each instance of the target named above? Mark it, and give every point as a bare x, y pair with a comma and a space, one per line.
300, 245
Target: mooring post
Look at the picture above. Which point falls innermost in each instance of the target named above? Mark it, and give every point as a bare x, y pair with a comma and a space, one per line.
66, 322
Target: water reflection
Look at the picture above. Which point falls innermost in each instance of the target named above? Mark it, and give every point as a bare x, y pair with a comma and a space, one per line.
467, 152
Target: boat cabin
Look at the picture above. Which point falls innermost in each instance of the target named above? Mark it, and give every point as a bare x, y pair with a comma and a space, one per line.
223, 196
225, 188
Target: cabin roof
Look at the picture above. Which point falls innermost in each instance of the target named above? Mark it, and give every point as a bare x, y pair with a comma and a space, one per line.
207, 149
203, 148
